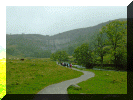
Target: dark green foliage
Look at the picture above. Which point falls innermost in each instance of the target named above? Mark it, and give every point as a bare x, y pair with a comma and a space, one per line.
60, 56
83, 55
100, 44
109, 46
53, 57
117, 33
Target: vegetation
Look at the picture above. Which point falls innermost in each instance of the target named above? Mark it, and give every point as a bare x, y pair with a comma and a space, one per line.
116, 32
83, 55
110, 43
2, 78
60, 56
28, 45
108, 47
104, 82
42, 54
32, 75
100, 46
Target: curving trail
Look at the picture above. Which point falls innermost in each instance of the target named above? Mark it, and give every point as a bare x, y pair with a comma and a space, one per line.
61, 88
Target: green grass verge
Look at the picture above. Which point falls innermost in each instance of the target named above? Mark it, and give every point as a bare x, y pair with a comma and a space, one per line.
31, 76
104, 82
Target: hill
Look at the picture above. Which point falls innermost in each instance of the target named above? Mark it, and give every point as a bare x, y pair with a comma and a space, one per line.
36, 45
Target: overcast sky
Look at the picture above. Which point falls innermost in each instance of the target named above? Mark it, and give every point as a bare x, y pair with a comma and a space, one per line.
54, 20
50, 20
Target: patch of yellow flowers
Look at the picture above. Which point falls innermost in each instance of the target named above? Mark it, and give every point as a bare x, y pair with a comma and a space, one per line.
2, 78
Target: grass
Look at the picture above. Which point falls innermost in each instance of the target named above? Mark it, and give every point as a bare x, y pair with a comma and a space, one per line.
31, 76
2, 78
104, 82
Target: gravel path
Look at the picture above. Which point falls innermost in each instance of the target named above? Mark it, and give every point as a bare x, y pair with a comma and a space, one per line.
61, 88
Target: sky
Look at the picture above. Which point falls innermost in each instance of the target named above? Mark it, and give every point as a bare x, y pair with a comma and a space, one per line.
50, 20
55, 16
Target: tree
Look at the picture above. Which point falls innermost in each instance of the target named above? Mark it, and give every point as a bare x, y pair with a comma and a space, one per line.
83, 55
53, 56
115, 30
60, 56
121, 50
100, 45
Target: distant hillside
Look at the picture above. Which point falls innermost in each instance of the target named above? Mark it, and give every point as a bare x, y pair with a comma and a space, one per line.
36, 45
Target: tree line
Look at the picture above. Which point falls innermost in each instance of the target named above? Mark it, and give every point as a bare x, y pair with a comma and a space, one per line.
109, 44
59, 56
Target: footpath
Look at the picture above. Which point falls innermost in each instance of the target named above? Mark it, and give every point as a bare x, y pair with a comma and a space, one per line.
61, 88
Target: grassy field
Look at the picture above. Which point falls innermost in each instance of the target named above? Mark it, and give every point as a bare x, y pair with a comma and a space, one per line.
2, 78
32, 75
104, 82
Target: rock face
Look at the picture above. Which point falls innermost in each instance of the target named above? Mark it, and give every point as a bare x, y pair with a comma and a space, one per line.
56, 44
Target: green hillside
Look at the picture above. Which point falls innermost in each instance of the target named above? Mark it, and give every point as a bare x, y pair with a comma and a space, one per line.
40, 46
